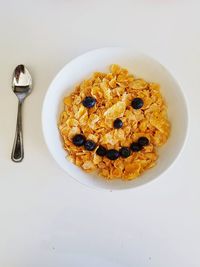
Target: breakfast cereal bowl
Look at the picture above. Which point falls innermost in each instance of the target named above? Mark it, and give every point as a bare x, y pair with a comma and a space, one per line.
141, 66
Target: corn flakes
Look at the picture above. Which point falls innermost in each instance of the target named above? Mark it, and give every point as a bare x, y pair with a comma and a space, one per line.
112, 95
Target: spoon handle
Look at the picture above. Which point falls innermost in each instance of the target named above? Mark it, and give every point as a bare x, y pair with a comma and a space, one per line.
18, 148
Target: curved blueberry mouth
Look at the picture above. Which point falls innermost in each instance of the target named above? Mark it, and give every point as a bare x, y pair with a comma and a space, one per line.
112, 154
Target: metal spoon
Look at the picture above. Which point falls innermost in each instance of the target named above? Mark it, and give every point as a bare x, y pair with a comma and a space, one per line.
22, 87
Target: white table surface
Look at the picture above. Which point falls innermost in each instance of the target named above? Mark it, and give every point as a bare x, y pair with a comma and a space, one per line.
48, 219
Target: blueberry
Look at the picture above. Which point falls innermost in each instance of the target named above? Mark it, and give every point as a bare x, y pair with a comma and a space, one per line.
90, 145
143, 141
118, 124
135, 147
89, 102
137, 103
112, 154
101, 151
78, 140
125, 152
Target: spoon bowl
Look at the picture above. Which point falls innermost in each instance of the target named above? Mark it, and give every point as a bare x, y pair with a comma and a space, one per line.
22, 82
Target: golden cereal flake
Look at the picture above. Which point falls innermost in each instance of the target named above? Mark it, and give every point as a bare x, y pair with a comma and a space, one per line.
115, 69
93, 119
73, 131
115, 111
93, 137
68, 100
88, 165
139, 84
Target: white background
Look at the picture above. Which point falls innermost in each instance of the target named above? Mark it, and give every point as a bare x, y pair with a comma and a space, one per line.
48, 219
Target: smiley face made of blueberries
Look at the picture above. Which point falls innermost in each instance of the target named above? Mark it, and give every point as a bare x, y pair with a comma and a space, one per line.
112, 154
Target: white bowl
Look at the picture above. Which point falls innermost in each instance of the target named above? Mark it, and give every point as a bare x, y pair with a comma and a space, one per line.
139, 64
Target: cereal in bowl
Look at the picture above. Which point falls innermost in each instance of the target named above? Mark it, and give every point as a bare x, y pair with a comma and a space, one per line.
113, 123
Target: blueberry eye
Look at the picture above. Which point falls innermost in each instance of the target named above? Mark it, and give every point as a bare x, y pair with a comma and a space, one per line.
137, 103
89, 102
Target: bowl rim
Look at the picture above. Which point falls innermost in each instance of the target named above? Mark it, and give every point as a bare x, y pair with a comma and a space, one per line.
187, 120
